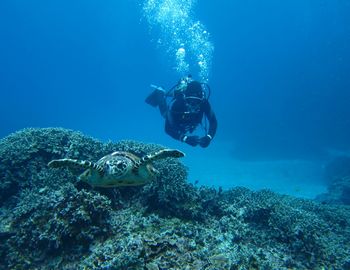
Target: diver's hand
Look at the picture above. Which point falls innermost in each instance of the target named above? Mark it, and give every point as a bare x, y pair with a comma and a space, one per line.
205, 141
191, 140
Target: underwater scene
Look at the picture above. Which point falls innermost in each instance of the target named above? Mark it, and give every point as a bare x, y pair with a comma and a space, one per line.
174, 134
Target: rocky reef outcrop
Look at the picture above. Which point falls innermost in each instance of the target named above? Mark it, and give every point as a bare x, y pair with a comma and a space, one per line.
49, 220
337, 177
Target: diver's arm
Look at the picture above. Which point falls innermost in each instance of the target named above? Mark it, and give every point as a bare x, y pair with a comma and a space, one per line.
213, 123
210, 115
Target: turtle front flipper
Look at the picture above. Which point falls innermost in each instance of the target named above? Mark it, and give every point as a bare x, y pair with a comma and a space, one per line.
164, 153
74, 163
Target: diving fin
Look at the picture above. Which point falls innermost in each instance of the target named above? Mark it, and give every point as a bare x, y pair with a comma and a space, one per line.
156, 97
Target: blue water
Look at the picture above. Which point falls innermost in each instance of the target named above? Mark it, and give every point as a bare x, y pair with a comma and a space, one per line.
279, 75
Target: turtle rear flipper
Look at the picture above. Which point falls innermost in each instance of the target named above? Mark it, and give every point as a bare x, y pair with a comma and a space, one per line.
74, 163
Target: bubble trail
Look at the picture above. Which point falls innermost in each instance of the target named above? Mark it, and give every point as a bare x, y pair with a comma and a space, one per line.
184, 39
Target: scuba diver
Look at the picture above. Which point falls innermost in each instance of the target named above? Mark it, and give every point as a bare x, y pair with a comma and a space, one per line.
187, 109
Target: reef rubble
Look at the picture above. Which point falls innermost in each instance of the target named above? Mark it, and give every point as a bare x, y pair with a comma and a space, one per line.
49, 220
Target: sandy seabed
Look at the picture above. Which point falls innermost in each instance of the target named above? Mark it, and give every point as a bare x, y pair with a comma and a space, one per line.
215, 166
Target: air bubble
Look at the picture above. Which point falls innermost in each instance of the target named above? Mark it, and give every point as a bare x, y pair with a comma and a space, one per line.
178, 30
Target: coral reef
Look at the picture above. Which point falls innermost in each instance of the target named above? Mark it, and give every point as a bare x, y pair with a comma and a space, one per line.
24, 155
49, 220
56, 222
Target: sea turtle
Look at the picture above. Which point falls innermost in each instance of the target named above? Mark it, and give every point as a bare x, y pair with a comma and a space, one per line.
119, 168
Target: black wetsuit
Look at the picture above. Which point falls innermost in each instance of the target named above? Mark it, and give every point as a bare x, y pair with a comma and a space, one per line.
180, 120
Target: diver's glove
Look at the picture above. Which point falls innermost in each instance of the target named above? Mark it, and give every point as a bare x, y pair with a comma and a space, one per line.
205, 141
191, 140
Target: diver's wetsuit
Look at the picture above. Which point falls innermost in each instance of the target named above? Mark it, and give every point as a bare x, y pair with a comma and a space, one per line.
186, 111
179, 120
